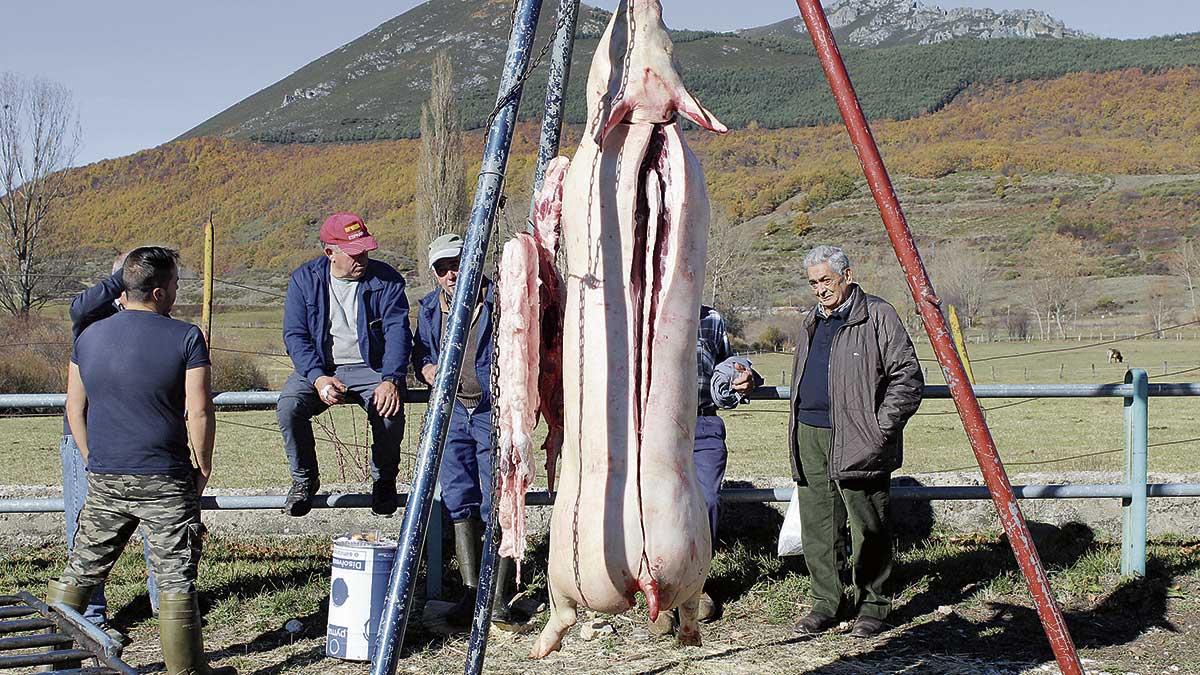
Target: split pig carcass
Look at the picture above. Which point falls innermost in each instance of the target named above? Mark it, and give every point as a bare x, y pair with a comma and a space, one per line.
629, 516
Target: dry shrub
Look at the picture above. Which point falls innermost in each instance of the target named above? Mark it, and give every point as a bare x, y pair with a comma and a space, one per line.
232, 371
34, 352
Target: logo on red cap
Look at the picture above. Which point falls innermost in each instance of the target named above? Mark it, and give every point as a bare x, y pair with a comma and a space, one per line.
348, 232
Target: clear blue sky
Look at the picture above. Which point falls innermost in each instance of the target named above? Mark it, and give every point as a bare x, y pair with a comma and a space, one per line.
145, 71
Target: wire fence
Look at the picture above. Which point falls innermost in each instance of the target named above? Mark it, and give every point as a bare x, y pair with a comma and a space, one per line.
1075, 371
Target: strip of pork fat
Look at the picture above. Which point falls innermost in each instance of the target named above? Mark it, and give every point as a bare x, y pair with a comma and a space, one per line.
529, 359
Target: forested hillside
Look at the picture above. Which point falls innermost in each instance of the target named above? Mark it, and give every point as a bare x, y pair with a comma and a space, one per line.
268, 199
372, 88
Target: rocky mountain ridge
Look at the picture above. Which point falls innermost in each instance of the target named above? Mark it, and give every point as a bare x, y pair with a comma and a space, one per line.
373, 87
878, 23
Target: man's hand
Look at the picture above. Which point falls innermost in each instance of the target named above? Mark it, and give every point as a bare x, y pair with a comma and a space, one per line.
429, 372
387, 399
330, 389
743, 382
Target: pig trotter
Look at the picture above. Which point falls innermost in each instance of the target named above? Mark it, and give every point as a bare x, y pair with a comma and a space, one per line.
689, 627
562, 617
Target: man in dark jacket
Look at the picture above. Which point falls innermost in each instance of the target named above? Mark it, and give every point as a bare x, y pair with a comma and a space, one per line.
466, 471
345, 326
855, 383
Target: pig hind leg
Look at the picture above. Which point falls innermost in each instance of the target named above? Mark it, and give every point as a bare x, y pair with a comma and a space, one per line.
689, 624
562, 617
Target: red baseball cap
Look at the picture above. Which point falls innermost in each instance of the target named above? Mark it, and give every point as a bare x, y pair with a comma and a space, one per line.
348, 232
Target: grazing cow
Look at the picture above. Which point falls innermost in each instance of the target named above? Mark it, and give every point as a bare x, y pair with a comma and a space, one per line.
1114, 356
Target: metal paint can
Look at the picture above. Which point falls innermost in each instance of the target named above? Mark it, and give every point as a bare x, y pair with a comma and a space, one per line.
362, 563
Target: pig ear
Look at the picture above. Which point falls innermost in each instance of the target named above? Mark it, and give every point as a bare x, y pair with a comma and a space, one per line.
691, 108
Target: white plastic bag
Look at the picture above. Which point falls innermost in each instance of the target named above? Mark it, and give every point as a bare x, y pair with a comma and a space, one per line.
790, 542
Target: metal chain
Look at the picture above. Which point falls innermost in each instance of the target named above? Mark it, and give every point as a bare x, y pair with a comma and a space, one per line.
494, 376
589, 280
529, 68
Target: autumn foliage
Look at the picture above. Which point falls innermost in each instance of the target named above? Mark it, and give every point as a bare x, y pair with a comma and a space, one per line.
268, 200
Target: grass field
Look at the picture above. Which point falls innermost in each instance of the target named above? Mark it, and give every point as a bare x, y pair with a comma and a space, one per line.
961, 602
1042, 435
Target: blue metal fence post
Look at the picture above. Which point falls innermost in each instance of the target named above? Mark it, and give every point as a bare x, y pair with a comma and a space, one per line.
1133, 531
396, 611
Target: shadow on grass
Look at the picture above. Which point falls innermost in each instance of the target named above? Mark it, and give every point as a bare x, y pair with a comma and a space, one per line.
1000, 629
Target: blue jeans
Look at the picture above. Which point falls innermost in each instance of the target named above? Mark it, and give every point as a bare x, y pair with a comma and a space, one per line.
466, 472
74, 493
299, 403
710, 458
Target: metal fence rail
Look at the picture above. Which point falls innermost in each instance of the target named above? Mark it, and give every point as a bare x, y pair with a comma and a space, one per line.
1133, 491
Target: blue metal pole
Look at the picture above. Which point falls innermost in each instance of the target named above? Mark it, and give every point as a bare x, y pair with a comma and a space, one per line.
556, 89
394, 621
559, 72
1133, 530
556, 83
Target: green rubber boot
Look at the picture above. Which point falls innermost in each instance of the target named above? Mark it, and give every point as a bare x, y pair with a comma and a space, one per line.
468, 546
179, 633
504, 615
75, 597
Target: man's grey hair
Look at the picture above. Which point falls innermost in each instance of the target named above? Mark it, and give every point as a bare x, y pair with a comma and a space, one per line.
833, 255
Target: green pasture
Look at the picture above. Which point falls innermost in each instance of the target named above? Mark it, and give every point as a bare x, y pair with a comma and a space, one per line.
1041, 435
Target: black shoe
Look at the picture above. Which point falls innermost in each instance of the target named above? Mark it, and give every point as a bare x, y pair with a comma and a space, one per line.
462, 613
299, 498
383, 497
814, 623
867, 627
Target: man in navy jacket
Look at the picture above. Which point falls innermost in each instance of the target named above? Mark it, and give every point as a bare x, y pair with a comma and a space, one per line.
345, 326
466, 471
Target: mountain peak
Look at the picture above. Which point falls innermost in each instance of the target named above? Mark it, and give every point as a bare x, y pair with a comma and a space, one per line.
373, 87
880, 23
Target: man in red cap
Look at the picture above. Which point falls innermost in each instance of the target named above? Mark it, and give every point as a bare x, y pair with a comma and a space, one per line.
345, 325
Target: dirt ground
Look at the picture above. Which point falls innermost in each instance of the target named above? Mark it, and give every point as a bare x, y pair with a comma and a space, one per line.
961, 606
961, 609
1002, 639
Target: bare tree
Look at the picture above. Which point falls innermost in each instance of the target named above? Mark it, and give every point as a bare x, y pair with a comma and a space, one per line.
39, 136
1162, 312
1056, 268
441, 185
883, 276
1185, 264
962, 274
729, 247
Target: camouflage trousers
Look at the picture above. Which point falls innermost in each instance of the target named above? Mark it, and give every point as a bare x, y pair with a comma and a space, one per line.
168, 509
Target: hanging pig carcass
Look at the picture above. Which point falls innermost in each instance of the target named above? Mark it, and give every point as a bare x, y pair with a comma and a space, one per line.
629, 515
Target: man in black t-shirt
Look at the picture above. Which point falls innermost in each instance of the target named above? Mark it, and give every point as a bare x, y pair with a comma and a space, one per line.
133, 376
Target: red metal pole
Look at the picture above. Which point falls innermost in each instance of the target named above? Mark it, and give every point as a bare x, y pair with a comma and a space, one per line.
939, 336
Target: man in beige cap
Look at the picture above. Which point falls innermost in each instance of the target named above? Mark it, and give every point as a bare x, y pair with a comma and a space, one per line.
466, 473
